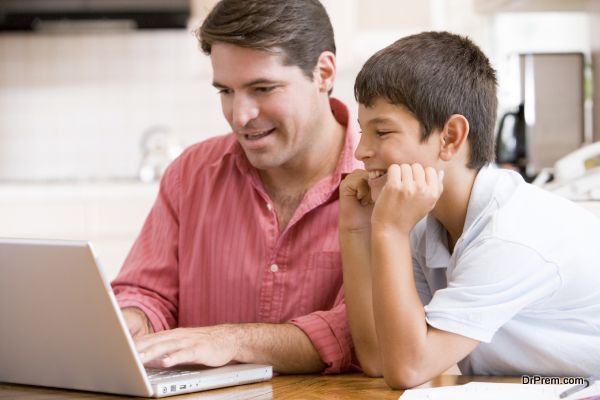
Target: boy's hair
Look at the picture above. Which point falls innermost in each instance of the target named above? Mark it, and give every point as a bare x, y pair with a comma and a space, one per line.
435, 75
300, 29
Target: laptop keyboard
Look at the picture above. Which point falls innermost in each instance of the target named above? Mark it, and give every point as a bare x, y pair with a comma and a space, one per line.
158, 373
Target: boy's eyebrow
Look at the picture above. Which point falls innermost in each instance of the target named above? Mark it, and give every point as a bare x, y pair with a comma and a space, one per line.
259, 81
378, 120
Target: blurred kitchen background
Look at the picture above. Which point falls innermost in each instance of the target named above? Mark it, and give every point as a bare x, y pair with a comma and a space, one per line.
97, 96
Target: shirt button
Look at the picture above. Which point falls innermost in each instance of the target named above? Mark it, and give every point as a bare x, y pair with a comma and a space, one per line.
274, 267
269, 207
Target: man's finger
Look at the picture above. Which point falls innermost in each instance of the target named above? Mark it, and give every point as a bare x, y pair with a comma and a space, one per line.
158, 346
161, 350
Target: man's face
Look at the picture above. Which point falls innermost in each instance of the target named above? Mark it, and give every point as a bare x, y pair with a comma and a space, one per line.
392, 135
272, 108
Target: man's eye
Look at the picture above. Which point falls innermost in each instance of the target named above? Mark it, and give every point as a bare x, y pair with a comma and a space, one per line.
264, 89
224, 91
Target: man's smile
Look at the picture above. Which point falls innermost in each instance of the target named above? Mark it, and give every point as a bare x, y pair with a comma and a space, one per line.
257, 135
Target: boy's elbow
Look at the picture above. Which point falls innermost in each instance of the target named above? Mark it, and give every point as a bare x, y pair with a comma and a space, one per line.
372, 370
403, 378
370, 365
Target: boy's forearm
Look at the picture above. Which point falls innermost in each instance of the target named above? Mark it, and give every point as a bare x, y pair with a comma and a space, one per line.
356, 260
398, 312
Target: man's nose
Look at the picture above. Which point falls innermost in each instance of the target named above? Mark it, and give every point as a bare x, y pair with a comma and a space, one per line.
244, 110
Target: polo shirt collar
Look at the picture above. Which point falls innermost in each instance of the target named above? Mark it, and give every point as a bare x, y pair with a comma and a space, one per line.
436, 244
482, 194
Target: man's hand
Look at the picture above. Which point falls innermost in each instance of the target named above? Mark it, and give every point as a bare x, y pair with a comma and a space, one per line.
136, 321
409, 193
284, 346
356, 205
212, 346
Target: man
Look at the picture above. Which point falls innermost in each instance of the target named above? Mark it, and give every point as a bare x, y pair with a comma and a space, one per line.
240, 250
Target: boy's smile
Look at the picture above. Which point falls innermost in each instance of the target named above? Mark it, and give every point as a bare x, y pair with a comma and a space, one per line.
392, 135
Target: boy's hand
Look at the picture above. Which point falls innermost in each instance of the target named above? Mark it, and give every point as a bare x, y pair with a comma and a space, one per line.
356, 205
409, 193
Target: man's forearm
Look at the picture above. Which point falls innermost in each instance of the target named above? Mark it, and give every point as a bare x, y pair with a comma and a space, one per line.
356, 260
284, 346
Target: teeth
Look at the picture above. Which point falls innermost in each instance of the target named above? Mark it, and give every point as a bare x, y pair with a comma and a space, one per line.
257, 135
376, 174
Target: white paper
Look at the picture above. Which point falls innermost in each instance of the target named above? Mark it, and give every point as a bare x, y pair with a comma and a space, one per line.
498, 391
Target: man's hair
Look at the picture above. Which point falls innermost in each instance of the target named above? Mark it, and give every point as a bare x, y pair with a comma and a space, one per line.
300, 29
435, 75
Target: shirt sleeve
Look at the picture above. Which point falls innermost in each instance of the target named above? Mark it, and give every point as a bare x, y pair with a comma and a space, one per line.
330, 334
490, 283
149, 276
421, 283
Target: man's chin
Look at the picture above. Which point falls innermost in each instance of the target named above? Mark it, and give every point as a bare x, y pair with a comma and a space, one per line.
263, 161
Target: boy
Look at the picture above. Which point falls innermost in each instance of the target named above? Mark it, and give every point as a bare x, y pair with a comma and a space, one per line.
447, 259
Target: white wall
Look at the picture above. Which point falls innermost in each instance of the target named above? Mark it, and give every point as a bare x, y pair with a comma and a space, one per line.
75, 106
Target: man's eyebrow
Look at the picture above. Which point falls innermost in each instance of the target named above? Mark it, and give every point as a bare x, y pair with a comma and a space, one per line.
259, 81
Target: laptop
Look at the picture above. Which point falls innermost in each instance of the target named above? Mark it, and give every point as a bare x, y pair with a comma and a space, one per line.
60, 326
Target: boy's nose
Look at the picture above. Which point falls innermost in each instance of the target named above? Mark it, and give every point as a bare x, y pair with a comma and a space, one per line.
363, 150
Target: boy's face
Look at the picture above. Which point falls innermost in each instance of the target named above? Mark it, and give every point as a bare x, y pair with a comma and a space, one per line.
271, 107
392, 135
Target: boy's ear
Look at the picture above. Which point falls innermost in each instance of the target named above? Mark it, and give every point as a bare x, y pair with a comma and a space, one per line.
325, 71
454, 136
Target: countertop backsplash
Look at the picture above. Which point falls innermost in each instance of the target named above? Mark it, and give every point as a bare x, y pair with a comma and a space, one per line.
76, 106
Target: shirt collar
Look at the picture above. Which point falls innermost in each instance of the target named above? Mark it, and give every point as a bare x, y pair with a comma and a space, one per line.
487, 191
436, 252
436, 244
346, 163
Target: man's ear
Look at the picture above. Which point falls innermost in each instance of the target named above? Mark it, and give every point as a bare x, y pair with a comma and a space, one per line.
454, 136
325, 71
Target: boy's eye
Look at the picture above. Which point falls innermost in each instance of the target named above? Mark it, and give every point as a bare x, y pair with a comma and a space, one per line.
381, 133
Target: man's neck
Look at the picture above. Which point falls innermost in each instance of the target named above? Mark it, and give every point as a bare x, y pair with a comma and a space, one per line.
287, 184
303, 172
451, 208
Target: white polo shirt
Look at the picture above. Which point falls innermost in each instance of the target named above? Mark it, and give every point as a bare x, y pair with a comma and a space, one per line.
524, 279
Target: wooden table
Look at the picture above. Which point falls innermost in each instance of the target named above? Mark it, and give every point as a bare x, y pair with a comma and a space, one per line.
336, 387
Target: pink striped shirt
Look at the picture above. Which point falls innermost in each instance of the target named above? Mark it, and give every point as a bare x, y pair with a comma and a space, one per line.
210, 251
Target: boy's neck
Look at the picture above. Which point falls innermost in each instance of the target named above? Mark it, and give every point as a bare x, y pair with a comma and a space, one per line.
451, 208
